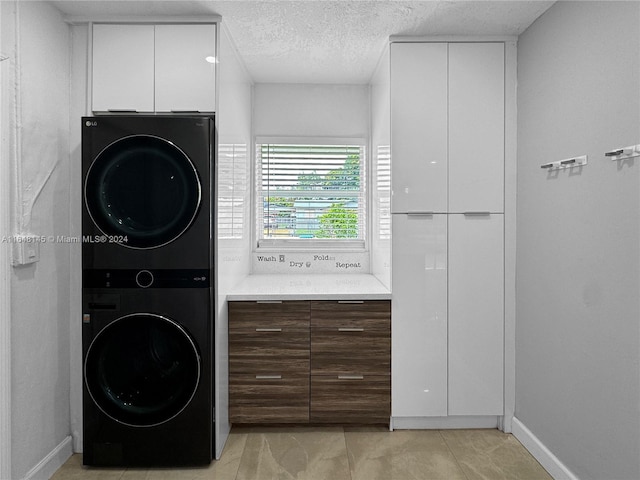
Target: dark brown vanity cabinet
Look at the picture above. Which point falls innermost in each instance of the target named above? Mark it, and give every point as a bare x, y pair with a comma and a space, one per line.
310, 362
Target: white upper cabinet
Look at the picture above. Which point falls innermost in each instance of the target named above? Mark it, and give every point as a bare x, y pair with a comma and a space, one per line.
476, 314
123, 69
476, 127
419, 127
419, 316
154, 68
447, 127
185, 57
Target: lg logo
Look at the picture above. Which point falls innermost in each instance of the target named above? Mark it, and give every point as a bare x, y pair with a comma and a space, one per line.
90, 123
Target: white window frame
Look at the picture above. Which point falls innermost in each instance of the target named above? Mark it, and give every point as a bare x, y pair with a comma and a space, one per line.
294, 244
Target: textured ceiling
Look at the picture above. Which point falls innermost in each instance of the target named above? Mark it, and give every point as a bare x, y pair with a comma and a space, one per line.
324, 41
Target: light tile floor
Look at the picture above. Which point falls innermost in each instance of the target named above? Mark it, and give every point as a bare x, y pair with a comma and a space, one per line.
349, 453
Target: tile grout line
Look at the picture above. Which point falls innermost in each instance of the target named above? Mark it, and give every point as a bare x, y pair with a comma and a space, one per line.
453, 455
244, 446
346, 448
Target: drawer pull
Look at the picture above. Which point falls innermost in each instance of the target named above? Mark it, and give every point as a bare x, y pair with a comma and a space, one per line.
350, 301
350, 377
268, 329
268, 377
477, 214
349, 329
268, 301
419, 214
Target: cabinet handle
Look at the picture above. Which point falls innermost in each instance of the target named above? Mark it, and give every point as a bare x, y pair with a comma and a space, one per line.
268, 377
476, 214
122, 110
420, 214
268, 301
352, 302
350, 377
349, 329
614, 153
268, 329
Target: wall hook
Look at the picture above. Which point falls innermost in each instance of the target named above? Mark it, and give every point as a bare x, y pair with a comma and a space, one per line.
566, 163
623, 153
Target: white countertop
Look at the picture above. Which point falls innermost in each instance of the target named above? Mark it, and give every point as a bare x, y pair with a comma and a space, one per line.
309, 287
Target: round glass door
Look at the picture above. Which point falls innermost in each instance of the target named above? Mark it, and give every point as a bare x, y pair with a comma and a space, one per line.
142, 369
142, 191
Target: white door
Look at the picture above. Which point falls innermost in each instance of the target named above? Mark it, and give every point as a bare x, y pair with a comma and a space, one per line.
419, 127
122, 68
476, 314
476, 127
185, 61
419, 316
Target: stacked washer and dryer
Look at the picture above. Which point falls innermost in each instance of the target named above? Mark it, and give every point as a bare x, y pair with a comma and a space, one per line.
147, 278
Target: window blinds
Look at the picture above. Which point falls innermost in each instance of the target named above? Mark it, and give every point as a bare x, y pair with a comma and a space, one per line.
311, 192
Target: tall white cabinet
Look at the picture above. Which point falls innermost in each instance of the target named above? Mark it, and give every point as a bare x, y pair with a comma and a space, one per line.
447, 156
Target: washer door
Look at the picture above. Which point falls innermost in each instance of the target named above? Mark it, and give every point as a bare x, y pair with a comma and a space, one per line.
142, 369
143, 191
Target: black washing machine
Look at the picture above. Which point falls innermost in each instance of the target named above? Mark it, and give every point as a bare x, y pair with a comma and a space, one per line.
147, 266
147, 398
148, 191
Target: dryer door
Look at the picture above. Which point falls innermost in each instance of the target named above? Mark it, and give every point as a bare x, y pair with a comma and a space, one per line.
142, 191
142, 369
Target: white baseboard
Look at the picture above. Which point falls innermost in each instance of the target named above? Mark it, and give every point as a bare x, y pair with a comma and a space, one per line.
443, 423
45, 469
548, 460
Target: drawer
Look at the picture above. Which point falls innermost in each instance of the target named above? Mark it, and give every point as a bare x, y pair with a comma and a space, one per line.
252, 315
350, 350
357, 399
269, 351
256, 399
365, 314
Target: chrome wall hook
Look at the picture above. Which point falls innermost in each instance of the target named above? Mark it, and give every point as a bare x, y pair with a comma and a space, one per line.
566, 163
623, 153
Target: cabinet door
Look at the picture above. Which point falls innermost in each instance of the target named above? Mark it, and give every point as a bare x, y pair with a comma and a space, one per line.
269, 362
269, 398
269, 338
185, 79
351, 338
350, 399
122, 68
419, 127
476, 314
476, 127
419, 316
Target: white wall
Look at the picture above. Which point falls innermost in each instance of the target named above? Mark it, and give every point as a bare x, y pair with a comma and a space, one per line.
39, 152
577, 333
5, 268
285, 109
77, 108
381, 171
233, 208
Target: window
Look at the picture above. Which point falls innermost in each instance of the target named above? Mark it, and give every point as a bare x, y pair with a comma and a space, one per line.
311, 194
